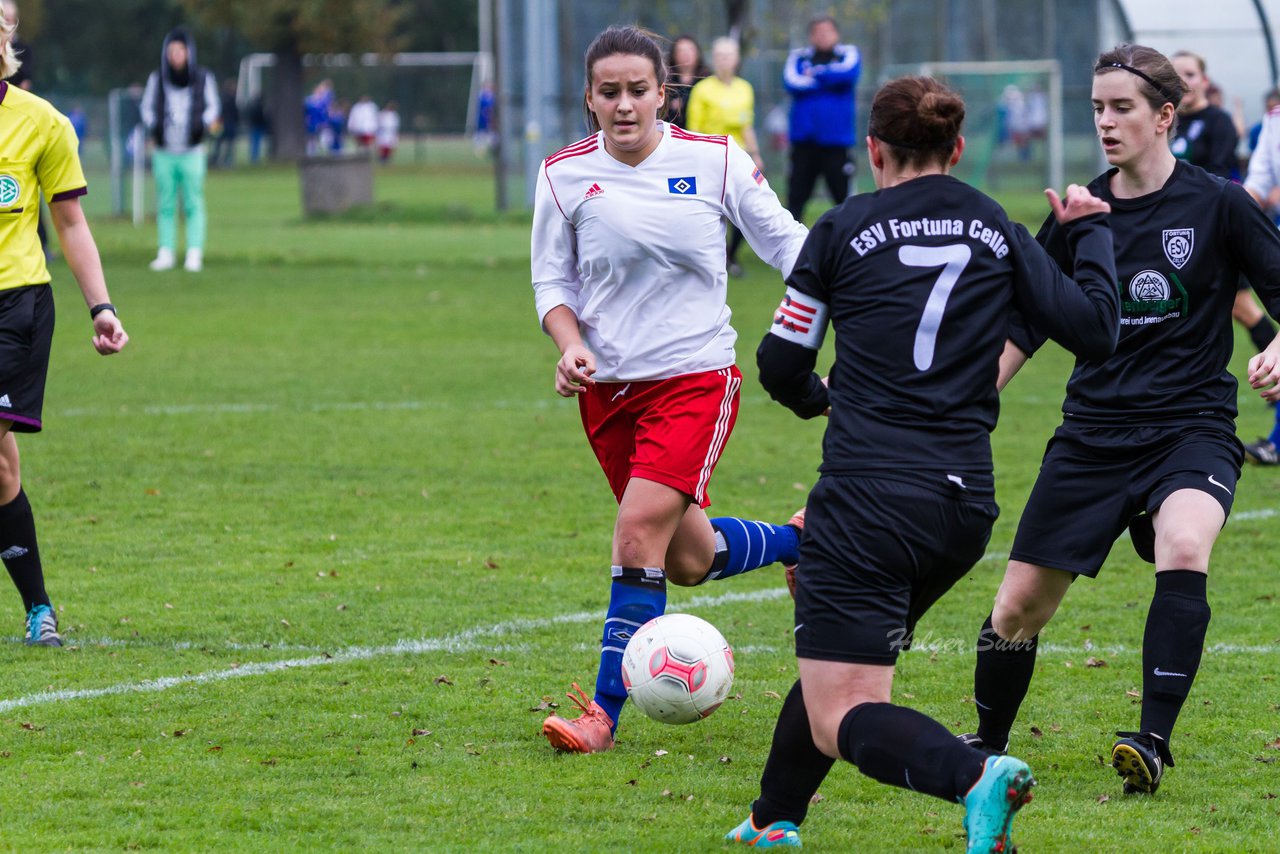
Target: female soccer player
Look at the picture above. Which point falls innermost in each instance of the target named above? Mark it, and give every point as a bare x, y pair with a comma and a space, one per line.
919, 281
686, 69
629, 279
725, 103
1147, 440
39, 147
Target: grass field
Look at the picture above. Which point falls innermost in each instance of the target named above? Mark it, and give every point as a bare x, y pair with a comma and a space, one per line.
324, 543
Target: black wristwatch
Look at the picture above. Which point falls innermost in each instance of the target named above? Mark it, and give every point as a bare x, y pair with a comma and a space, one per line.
100, 308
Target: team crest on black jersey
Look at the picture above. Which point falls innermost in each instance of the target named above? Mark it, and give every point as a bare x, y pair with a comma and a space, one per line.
1178, 243
1153, 298
1149, 286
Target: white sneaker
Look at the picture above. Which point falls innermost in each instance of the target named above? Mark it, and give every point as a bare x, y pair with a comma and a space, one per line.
164, 259
194, 262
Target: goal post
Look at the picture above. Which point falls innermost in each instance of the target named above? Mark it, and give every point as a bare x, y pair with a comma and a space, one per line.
1013, 119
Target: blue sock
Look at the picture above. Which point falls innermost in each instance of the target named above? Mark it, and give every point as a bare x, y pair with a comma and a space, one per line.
637, 596
743, 545
1275, 431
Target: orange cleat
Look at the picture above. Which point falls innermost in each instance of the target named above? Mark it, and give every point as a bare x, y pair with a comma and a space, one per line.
797, 522
590, 733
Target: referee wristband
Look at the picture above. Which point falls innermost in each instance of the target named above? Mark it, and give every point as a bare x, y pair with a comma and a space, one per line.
100, 308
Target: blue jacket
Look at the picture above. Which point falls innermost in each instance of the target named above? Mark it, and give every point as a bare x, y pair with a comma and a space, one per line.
822, 105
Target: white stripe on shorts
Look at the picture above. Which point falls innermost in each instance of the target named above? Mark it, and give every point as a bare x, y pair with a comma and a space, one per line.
720, 436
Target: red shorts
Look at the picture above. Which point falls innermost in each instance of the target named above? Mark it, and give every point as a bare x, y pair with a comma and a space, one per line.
669, 431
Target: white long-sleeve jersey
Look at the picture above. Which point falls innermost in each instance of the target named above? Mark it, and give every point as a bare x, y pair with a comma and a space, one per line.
638, 252
1264, 164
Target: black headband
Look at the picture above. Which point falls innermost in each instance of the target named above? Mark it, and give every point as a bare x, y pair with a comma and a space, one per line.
1154, 85
942, 146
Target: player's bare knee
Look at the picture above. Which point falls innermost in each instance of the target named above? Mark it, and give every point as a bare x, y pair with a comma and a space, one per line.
1016, 617
1183, 549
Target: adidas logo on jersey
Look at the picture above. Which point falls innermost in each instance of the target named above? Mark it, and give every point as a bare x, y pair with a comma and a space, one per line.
4, 400
593, 191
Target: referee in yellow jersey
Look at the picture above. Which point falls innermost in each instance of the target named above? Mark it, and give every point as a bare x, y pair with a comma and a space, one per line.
726, 104
38, 154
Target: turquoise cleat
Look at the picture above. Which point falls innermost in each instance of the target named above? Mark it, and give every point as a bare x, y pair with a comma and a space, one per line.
1003, 788
42, 627
779, 834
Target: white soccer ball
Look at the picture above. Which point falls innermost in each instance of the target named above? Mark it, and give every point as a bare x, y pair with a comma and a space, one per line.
677, 668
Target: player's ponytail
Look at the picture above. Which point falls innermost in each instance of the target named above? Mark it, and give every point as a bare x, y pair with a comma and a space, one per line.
624, 41
9, 62
1158, 81
918, 118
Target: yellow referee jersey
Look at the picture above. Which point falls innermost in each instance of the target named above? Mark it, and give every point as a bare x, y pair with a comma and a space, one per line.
38, 151
717, 107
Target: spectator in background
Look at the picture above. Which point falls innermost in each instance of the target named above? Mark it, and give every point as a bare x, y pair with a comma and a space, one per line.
79, 123
362, 122
686, 68
337, 126
822, 79
726, 104
1270, 101
224, 147
484, 137
315, 110
179, 107
259, 125
388, 137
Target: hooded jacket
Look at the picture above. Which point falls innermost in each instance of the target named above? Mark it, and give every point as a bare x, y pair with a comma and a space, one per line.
178, 107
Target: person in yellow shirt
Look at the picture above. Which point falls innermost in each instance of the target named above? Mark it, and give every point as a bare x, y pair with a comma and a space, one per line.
38, 154
726, 104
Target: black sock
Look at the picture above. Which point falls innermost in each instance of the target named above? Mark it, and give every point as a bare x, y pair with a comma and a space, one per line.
795, 768
1262, 332
1171, 646
20, 552
902, 747
1001, 678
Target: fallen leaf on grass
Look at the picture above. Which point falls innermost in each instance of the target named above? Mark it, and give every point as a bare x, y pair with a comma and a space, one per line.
286, 624
1094, 662
497, 662
1269, 796
422, 732
490, 563
1273, 745
269, 761
1102, 799
215, 748
472, 749
30, 727
1036, 732
666, 793
179, 733
659, 753
442, 680
725, 760
773, 695
547, 703
633, 782
817, 798
1132, 694
137, 784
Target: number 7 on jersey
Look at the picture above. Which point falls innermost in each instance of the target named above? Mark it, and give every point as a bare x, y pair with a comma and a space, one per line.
952, 259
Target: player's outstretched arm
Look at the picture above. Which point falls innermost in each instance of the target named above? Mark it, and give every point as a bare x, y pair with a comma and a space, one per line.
577, 363
86, 265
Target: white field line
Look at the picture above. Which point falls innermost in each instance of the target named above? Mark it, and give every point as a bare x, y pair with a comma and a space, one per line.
464, 641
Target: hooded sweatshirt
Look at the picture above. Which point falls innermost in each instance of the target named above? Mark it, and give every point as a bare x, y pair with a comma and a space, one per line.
179, 105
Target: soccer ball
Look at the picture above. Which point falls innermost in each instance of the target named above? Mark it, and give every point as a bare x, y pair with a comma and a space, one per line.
677, 668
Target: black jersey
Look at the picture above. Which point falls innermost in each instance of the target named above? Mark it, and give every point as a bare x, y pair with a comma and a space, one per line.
1179, 253
919, 281
1207, 138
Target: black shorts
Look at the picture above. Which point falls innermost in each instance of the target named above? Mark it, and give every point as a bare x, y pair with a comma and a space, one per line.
26, 335
875, 555
1097, 480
